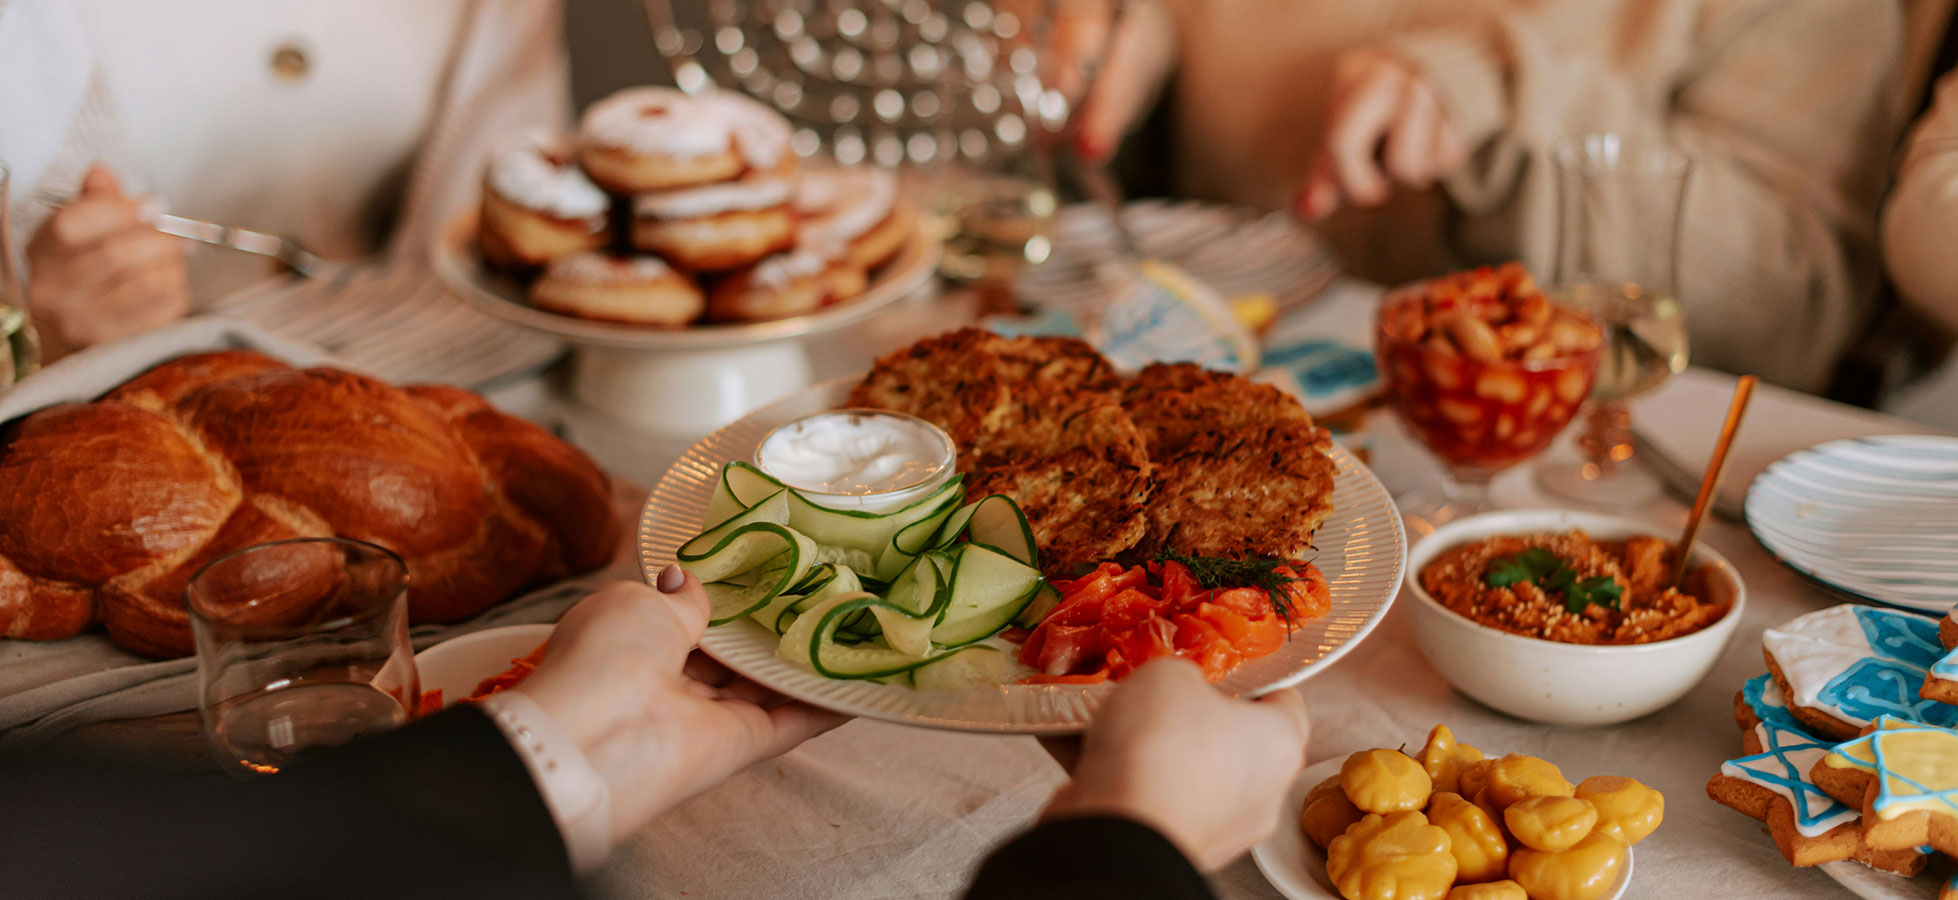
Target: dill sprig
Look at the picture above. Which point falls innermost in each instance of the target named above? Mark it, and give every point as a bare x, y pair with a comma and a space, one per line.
1222, 573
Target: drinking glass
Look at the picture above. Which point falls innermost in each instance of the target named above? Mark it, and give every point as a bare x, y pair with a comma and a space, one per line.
20, 353
1478, 413
1619, 203
301, 644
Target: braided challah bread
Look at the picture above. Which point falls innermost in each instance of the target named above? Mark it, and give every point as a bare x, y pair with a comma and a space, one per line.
108, 508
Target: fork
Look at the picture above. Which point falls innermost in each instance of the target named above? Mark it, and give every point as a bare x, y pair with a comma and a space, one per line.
286, 251
299, 260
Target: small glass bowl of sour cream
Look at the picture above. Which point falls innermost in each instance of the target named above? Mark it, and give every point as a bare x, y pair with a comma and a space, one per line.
864, 460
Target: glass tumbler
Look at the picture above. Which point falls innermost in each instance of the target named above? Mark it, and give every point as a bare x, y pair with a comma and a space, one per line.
20, 353
301, 644
1619, 203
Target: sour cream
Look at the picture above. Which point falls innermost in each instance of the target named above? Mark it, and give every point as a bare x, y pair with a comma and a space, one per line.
859, 459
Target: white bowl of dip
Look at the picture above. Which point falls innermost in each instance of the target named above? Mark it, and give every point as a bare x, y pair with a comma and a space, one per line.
862, 460
1559, 683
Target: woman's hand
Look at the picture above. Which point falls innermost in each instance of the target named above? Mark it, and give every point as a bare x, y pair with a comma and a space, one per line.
659, 722
1384, 125
97, 272
1207, 771
1140, 55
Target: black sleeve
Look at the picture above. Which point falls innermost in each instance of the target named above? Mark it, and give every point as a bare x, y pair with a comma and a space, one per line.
440, 808
1089, 859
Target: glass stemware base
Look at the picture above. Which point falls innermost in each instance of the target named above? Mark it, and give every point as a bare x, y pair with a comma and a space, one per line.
1605, 471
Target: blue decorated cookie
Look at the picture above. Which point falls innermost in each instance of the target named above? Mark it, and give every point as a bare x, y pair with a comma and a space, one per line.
1942, 683
1771, 783
1844, 667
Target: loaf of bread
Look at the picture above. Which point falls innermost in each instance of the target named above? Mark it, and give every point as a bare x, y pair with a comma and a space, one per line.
108, 508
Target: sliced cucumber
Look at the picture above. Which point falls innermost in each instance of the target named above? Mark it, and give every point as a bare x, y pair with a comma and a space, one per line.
772, 511
741, 486
864, 595
960, 669
811, 641
984, 580
914, 603
1043, 603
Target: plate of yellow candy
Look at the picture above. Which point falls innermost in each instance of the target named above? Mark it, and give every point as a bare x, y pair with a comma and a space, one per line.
1449, 823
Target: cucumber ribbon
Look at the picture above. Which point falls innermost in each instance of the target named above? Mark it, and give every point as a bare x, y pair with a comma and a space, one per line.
907, 593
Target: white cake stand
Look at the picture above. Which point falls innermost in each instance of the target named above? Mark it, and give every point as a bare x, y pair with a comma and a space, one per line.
678, 382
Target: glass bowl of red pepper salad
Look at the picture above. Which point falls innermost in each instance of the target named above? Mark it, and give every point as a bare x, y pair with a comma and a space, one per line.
1215, 613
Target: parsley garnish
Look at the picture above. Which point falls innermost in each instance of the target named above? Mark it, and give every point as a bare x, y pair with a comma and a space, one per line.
1554, 576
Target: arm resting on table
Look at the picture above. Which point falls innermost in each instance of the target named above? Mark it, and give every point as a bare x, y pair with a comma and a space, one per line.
1087, 859
441, 808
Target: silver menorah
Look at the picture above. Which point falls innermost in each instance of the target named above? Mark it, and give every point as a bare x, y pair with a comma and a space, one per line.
891, 81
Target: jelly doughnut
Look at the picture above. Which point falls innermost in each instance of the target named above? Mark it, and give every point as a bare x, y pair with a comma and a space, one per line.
853, 213
641, 290
786, 284
653, 139
537, 205
719, 226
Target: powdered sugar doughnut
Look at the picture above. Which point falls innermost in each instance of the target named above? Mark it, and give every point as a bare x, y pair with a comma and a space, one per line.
537, 205
651, 139
640, 290
719, 226
786, 284
852, 213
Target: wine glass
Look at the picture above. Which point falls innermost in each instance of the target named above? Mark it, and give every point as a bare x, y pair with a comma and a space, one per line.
301, 644
20, 353
1485, 372
1619, 203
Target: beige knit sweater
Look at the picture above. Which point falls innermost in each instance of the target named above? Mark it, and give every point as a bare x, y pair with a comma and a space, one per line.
1786, 107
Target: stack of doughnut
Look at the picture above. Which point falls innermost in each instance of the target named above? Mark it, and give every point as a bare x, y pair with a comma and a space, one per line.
669, 209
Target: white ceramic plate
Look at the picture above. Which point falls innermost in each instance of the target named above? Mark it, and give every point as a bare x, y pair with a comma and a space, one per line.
1875, 518
1297, 867
461, 267
1362, 552
458, 664
1234, 251
1871, 884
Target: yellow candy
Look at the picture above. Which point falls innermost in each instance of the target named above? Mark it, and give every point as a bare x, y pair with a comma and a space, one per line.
1494, 890
1398, 856
1627, 810
1444, 768
1584, 872
1328, 813
1475, 775
1488, 806
1549, 823
1474, 839
1517, 776
1385, 781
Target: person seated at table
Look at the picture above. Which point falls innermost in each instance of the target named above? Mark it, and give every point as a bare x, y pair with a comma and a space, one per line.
1416, 136
619, 722
351, 132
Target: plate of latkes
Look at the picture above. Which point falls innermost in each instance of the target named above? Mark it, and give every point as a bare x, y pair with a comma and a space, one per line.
1104, 467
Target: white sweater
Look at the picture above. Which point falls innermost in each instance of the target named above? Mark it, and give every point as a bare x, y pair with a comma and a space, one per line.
365, 147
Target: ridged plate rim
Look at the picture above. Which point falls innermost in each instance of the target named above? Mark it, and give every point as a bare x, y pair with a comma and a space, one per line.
1363, 554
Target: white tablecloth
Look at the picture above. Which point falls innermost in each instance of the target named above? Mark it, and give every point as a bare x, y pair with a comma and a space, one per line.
881, 811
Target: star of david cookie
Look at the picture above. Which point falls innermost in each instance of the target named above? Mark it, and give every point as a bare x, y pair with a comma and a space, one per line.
1844, 667
1904, 777
1771, 783
1941, 683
